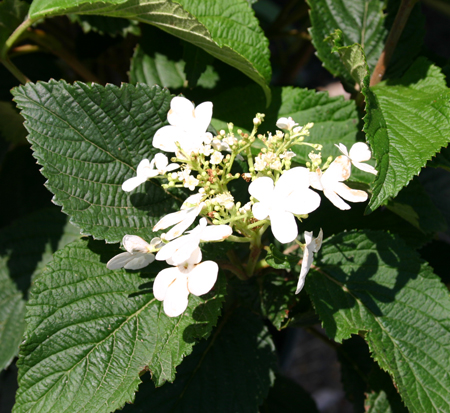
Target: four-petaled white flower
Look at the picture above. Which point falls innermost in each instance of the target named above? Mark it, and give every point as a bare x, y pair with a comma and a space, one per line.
359, 153
330, 182
173, 285
147, 170
183, 218
311, 245
138, 255
216, 158
180, 249
280, 202
286, 123
187, 126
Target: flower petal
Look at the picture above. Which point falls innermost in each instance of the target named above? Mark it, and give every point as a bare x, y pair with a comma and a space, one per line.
203, 115
172, 219
176, 300
202, 278
365, 167
302, 202
166, 137
178, 229
342, 148
261, 188
119, 261
352, 195
339, 170
261, 210
335, 199
181, 112
284, 227
178, 250
195, 257
216, 233
133, 183
161, 161
360, 152
292, 180
134, 244
140, 260
162, 282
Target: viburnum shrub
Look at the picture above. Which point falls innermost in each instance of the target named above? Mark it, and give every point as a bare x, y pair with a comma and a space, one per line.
201, 207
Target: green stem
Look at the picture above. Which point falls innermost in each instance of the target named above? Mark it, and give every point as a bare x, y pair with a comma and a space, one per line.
234, 238
15, 71
258, 223
14, 37
255, 251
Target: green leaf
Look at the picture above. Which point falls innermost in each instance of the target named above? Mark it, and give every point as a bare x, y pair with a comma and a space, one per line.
231, 372
407, 122
27, 245
278, 297
11, 124
415, 206
288, 397
228, 30
106, 25
12, 14
371, 282
276, 259
162, 63
91, 331
359, 21
363, 23
90, 139
196, 63
335, 119
365, 384
12, 318
22, 182
352, 57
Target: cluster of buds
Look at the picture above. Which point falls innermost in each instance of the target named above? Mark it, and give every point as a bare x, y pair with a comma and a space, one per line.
279, 193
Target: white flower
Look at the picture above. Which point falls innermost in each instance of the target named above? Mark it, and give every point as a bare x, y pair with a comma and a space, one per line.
180, 249
173, 285
288, 155
191, 182
206, 150
290, 196
245, 208
146, 170
286, 123
311, 245
260, 163
330, 182
190, 209
220, 145
216, 158
187, 126
225, 199
138, 255
359, 153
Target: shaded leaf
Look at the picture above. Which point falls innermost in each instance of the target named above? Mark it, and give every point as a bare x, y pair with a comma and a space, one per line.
231, 372
90, 139
106, 25
90, 331
371, 282
11, 124
228, 30
288, 397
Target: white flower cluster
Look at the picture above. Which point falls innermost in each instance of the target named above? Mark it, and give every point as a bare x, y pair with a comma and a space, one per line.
278, 193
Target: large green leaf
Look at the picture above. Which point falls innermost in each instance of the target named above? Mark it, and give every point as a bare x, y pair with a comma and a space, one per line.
25, 247
372, 283
12, 318
90, 139
91, 331
363, 22
407, 122
228, 29
231, 372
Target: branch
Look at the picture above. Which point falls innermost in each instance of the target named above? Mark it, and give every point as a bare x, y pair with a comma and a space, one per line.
394, 35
